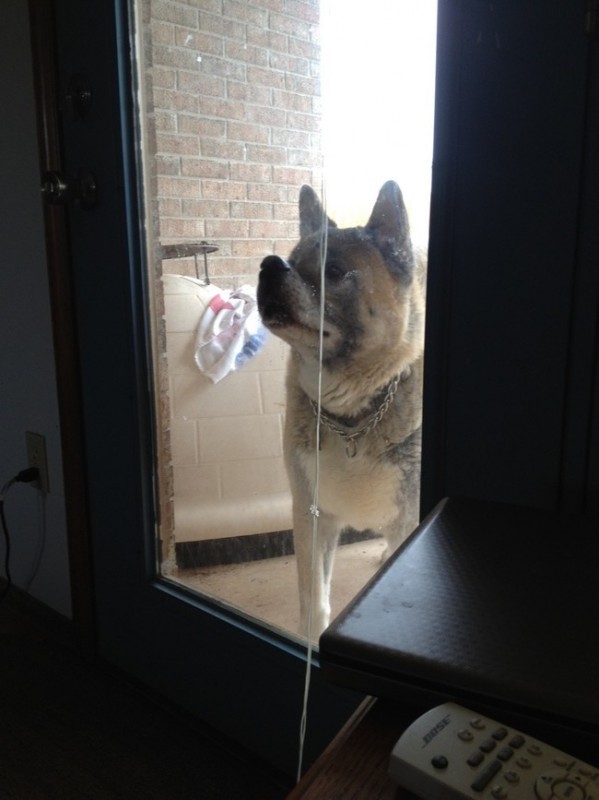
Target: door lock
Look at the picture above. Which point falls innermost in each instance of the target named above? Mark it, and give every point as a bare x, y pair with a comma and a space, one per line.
60, 189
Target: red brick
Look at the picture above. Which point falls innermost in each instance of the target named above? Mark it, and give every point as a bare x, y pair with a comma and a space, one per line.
181, 228
244, 132
175, 12
287, 63
304, 122
290, 25
293, 176
223, 190
201, 83
307, 10
241, 11
274, 42
169, 207
199, 42
175, 101
204, 208
266, 115
292, 102
226, 228
201, 126
266, 155
265, 77
217, 107
165, 121
303, 85
248, 211
251, 174
251, 247
204, 168
167, 165
164, 77
177, 57
223, 149
162, 32
216, 23
177, 187
240, 51
269, 229
248, 93
180, 145
267, 192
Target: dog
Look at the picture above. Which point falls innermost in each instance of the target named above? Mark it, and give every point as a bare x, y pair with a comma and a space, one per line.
370, 382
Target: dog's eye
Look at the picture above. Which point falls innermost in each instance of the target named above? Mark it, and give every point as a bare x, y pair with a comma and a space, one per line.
334, 271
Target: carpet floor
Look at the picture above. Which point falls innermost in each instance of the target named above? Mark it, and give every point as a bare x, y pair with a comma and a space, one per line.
71, 730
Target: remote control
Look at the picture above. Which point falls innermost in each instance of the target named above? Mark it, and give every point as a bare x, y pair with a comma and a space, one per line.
451, 753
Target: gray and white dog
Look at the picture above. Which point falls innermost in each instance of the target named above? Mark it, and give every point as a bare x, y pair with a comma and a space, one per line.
373, 340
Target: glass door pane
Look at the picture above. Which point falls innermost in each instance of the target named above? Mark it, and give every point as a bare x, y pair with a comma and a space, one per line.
242, 103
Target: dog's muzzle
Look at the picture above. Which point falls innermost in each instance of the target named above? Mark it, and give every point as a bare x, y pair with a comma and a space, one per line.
271, 304
274, 264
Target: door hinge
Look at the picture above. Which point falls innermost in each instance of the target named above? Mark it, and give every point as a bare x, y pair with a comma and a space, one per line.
590, 17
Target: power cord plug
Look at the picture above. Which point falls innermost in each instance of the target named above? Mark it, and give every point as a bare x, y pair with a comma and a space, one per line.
28, 475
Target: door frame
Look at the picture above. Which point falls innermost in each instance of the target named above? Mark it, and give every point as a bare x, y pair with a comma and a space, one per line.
64, 330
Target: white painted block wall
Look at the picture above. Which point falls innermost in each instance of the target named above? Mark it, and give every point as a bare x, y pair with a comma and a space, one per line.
226, 438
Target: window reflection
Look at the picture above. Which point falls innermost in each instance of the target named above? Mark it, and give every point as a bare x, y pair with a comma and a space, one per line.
242, 105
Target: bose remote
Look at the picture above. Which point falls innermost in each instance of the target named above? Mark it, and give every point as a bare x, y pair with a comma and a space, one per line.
451, 753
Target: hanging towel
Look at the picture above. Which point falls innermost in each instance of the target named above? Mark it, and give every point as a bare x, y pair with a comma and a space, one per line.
230, 332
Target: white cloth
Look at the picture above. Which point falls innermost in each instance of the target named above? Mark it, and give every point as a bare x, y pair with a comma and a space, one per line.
229, 333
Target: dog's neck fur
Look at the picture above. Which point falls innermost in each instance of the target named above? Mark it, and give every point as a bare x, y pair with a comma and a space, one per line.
340, 396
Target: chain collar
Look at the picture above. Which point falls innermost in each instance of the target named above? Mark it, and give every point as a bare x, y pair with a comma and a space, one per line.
350, 437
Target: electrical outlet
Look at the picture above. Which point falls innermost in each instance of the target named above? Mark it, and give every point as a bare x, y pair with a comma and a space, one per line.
36, 457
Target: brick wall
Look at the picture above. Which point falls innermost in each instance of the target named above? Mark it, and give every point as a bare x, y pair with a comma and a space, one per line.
233, 95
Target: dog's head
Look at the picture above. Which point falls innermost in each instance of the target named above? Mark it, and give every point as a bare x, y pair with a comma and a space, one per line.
370, 288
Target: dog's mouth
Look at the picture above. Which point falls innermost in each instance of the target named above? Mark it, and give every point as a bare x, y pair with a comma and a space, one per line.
279, 320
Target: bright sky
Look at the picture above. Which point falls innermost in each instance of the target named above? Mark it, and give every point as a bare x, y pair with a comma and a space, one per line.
378, 74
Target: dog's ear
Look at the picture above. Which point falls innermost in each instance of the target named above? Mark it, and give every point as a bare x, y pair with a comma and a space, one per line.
389, 226
311, 212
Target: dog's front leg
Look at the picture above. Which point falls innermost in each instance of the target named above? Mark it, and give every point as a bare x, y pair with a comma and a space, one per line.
315, 552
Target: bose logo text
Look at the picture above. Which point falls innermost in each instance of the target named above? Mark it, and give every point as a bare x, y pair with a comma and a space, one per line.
428, 737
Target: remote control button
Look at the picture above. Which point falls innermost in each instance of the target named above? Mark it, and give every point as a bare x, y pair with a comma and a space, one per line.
477, 724
500, 734
465, 735
499, 793
534, 750
511, 776
517, 741
586, 771
439, 762
561, 761
523, 762
564, 790
476, 759
546, 783
505, 753
486, 776
488, 745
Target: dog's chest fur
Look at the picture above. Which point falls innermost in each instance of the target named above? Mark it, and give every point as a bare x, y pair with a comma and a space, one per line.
364, 490
361, 490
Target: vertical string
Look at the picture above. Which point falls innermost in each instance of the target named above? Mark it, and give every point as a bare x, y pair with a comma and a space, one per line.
314, 511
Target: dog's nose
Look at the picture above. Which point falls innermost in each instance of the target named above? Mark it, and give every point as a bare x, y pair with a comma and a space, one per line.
274, 263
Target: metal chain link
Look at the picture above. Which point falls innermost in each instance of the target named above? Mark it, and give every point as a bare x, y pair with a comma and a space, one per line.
351, 446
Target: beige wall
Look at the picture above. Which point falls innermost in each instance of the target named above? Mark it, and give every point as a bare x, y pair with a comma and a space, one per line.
226, 438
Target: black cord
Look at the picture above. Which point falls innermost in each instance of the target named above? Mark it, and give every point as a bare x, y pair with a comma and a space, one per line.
25, 476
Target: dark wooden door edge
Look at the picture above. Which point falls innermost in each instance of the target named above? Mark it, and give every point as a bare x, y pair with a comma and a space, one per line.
41, 13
